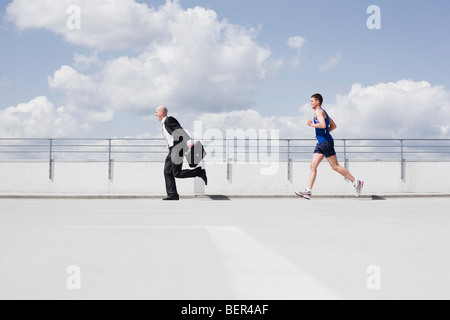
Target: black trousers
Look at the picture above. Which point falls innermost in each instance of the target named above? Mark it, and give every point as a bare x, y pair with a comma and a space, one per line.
172, 171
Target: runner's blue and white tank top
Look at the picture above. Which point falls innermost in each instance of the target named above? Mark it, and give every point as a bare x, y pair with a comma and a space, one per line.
324, 135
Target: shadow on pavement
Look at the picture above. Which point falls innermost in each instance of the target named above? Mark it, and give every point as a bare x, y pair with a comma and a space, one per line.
219, 198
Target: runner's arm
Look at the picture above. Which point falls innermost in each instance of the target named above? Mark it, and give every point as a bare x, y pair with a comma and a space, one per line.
333, 125
320, 115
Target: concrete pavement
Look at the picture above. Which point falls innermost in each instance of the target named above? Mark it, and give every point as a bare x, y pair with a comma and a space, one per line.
205, 249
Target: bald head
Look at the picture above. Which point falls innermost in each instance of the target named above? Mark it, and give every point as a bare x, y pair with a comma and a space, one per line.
161, 113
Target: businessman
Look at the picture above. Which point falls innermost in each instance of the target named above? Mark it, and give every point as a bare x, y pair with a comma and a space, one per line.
179, 142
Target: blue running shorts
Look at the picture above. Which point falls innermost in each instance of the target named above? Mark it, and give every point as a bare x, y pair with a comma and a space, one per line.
326, 148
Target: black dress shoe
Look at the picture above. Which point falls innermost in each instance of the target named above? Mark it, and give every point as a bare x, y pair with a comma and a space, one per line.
171, 199
204, 177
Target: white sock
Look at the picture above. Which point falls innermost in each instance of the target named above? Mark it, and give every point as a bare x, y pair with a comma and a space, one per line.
356, 182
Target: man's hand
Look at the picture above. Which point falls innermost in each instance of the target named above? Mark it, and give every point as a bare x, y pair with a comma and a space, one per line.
310, 123
191, 144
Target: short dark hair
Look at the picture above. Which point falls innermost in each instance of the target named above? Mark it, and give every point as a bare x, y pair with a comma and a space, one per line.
319, 97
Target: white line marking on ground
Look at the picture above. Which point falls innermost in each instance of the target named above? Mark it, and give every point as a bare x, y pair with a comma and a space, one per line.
132, 227
258, 272
254, 271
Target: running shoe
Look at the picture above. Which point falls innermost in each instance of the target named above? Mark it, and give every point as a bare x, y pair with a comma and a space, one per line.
358, 187
305, 194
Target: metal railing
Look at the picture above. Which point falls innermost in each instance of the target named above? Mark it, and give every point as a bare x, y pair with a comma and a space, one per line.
225, 150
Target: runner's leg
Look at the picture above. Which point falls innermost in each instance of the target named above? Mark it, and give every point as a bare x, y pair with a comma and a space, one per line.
317, 159
333, 161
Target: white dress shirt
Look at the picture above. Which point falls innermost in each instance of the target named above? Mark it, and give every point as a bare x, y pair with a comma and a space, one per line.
168, 136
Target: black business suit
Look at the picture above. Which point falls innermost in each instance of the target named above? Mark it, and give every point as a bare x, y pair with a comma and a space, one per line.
173, 168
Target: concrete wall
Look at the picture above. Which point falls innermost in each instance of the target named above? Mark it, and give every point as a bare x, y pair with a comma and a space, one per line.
146, 179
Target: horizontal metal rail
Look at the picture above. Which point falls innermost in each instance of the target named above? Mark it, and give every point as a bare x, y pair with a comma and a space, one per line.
226, 151
148, 149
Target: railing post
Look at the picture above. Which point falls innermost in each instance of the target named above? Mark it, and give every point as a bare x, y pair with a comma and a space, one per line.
228, 160
225, 150
289, 160
345, 157
51, 160
247, 150
258, 158
110, 160
402, 154
236, 149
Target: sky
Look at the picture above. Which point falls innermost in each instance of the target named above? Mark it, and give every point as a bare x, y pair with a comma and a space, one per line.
98, 69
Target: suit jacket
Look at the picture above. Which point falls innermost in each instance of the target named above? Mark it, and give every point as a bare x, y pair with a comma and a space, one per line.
174, 133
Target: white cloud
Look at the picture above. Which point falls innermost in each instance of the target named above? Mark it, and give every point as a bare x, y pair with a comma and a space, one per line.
105, 24
331, 63
82, 95
289, 127
37, 118
195, 63
394, 110
69, 79
84, 62
198, 64
296, 43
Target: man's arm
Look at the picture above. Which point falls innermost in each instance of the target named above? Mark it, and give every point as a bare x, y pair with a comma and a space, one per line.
320, 115
173, 126
333, 125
